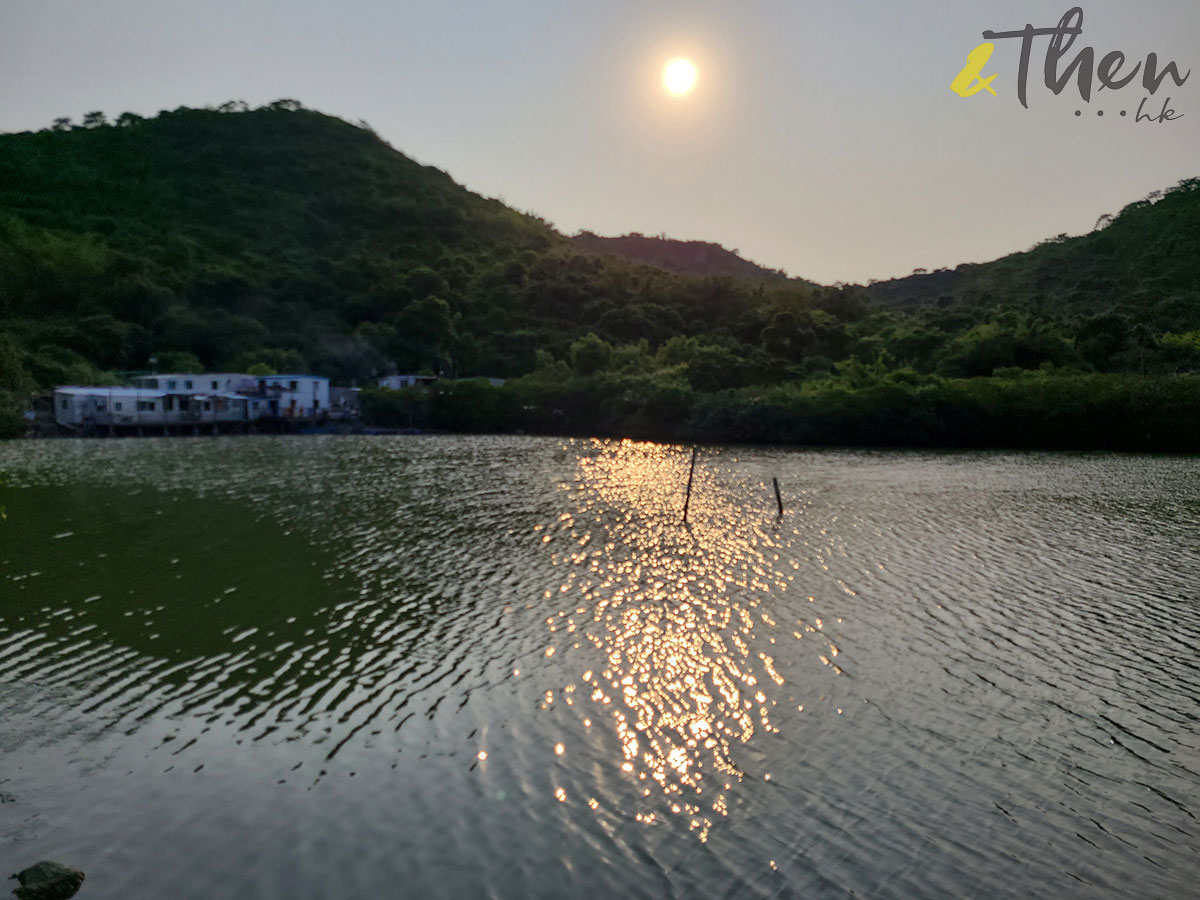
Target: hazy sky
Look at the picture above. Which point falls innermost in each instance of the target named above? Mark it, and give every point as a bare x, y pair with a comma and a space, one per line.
823, 137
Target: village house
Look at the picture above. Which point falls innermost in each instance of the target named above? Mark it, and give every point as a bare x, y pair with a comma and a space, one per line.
181, 399
91, 407
286, 396
295, 396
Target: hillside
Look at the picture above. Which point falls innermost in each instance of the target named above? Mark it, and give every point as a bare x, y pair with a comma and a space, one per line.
225, 234
288, 239
698, 258
1143, 262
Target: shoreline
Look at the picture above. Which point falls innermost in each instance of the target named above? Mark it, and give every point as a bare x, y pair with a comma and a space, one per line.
707, 442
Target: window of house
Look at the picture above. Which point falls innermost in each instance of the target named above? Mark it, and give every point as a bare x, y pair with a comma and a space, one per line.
188, 384
146, 405
214, 385
293, 385
207, 406
117, 405
171, 384
66, 404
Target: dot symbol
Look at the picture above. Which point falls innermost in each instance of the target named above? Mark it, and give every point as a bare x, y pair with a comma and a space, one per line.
1078, 113
1099, 112
1124, 113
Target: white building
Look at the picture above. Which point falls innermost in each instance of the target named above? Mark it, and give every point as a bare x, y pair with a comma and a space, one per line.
295, 396
286, 396
107, 405
396, 382
188, 398
145, 406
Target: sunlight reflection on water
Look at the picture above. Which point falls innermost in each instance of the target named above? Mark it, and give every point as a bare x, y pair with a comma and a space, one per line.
677, 612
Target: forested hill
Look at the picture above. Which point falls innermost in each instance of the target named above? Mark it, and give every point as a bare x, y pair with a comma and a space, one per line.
274, 234
685, 257
283, 238
1143, 261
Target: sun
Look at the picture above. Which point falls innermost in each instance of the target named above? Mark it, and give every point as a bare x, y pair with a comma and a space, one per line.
679, 77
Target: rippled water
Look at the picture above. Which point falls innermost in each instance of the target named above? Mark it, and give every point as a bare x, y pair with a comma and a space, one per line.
501, 667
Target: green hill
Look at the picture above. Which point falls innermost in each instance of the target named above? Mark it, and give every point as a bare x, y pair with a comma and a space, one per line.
699, 258
281, 237
284, 236
1144, 262
226, 234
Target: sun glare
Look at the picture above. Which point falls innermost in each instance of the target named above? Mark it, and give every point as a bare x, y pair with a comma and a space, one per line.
679, 77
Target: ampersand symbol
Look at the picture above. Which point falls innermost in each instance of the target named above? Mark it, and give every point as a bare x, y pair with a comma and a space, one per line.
976, 60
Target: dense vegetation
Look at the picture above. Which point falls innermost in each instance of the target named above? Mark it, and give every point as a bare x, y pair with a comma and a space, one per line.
1065, 412
281, 237
701, 258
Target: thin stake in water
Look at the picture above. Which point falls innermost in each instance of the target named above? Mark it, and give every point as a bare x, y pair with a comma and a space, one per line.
778, 496
688, 499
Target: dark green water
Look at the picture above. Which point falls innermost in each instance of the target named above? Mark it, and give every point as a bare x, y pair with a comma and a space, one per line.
500, 667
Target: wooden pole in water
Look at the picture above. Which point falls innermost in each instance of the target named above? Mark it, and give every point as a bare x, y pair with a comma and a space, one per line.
688, 499
778, 496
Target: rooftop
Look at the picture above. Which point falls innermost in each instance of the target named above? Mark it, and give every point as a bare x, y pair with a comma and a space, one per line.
109, 391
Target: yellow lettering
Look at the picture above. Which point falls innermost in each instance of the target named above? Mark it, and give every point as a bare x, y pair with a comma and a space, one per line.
976, 60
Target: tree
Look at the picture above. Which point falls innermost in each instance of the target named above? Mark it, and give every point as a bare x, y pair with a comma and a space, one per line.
13, 375
94, 119
1142, 343
590, 354
425, 327
15, 387
713, 368
125, 119
177, 361
423, 281
269, 361
61, 124
1101, 338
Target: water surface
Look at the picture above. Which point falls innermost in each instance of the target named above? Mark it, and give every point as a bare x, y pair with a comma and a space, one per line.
269, 667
